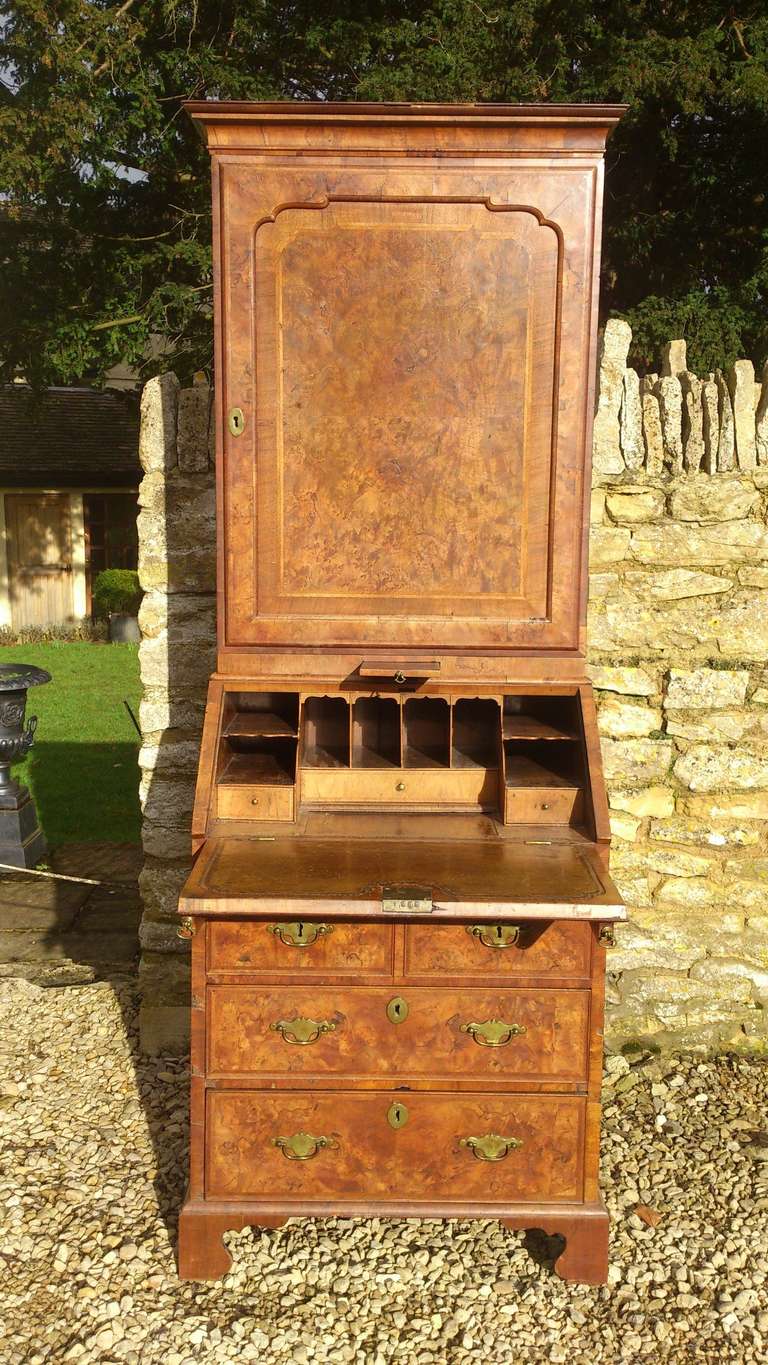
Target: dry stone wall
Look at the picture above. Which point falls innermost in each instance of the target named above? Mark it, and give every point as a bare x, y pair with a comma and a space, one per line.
678, 650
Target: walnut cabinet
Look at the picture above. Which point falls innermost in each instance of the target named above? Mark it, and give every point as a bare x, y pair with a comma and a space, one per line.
399, 905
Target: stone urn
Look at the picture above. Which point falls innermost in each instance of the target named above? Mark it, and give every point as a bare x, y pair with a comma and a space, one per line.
22, 843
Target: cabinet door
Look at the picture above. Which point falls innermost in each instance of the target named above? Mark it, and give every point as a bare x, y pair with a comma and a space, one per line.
408, 348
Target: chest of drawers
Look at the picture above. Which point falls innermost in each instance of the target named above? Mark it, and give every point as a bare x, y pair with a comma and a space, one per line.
399, 904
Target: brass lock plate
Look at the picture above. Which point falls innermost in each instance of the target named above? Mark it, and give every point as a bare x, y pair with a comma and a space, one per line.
397, 1115
236, 421
414, 900
397, 1010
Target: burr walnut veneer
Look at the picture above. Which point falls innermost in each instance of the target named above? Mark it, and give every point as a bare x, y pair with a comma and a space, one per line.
399, 904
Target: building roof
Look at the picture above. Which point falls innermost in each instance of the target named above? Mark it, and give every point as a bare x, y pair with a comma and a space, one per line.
68, 438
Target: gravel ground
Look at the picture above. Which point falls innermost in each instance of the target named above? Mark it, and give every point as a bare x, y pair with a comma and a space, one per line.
93, 1147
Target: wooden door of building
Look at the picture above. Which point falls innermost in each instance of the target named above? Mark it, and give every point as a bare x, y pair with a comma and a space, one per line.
39, 558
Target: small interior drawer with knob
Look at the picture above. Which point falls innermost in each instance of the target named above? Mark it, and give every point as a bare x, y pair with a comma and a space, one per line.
542, 805
403, 786
243, 801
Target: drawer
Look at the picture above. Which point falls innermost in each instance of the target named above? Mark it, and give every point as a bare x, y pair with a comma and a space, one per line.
243, 801
342, 1146
412, 1032
543, 948
310, 948
401, 786
542, 805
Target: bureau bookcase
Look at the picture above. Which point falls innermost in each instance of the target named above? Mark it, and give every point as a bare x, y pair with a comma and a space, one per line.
399, 905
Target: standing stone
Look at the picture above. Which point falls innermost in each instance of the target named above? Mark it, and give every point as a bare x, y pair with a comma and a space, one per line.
693, 422
192, 431
614, 348
673, 359
631, 422
157, 431
761, 420
726, 441
741, 382
671, 406
710, 424
652, 439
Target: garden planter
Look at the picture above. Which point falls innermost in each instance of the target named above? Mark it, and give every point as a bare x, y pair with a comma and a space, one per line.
124, 629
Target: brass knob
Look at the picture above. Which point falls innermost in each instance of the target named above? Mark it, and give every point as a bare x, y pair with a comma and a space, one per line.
399, 786
545, 805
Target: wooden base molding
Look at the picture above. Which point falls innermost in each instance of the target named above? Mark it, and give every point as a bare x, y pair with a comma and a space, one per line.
202, 1254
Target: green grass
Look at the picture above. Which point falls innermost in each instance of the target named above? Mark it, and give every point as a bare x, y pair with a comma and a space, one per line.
82, 768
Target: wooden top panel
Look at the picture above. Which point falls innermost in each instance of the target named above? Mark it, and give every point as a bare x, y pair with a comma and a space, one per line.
286, 877
559, 129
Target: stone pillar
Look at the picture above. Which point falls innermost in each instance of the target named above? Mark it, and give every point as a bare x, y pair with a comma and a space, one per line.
177, 654
606, 444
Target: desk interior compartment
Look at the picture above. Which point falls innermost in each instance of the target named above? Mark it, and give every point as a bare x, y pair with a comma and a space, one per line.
427, 733
376, 732
259, 742
325, 737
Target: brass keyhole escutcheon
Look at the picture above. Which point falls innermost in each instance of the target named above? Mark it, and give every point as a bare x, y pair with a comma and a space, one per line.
236, 421
400, 677
397, 1115
397, 1010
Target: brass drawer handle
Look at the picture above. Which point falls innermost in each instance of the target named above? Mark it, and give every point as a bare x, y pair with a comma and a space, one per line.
495, 935
302, 1146
491, 1146
302, 1031
493, 1033
187, 927
298, 933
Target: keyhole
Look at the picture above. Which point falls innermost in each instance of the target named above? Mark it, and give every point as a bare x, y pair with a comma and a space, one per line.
397, 1010
300, 928
499, 933
397, 1115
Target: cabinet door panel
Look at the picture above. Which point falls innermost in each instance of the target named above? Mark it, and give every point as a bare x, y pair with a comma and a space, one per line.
410, 468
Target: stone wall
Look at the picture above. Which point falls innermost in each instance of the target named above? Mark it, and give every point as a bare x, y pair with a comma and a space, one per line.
678, 643
177, 655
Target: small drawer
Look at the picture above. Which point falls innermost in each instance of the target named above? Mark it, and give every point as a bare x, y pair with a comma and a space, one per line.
498, 952
309, 948
409, 1033
245, 802
401, 786
389, 1145
542, 805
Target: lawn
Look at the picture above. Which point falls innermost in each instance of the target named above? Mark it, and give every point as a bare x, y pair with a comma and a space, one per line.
82, 769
